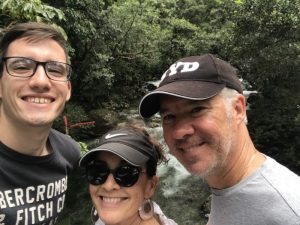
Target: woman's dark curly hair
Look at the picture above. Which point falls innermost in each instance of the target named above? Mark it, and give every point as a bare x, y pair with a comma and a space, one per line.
151, 165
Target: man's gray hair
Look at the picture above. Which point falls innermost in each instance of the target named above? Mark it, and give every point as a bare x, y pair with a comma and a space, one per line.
229, 95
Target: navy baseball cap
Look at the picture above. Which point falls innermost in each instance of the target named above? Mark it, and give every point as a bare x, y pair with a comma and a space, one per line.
193, 78
128, 144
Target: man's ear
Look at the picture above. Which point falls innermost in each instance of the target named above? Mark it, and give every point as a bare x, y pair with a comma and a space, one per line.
240, 108
69, 91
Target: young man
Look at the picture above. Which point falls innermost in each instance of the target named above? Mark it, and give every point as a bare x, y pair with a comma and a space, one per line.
203, 113
34, 159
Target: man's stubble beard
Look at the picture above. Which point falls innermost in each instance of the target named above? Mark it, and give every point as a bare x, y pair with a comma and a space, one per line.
222, 151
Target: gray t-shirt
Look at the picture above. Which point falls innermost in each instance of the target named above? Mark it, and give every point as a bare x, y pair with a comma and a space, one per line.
270, 196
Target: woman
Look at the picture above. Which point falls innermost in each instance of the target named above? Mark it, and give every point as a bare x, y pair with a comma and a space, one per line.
121, 172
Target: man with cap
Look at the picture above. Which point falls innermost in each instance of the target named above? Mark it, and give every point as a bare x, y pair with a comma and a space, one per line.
121, 171
203, 112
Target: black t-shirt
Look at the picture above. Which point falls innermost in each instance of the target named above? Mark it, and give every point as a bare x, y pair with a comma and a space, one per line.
32, 188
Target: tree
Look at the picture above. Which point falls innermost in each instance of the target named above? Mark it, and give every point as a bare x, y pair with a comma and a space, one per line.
34, 10
116, 47
265, 46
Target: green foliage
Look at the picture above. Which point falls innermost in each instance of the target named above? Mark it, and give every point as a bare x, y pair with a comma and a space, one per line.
76, 117
276, 130
33, 10
265, 46
122, 44
83, 147
92, 77
266, 39
211, 21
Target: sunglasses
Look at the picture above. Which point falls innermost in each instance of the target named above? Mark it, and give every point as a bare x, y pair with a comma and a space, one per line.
97, 173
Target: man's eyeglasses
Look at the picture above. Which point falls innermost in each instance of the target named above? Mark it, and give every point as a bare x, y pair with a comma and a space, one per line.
25, 67
97, 173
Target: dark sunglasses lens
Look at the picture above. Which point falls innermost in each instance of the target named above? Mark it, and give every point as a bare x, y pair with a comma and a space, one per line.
127, 176
97, 173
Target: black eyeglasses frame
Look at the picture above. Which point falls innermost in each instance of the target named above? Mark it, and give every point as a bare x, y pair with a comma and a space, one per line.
37, 63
